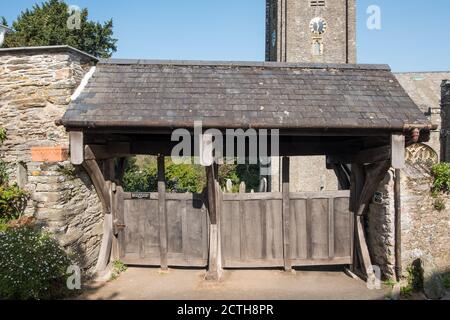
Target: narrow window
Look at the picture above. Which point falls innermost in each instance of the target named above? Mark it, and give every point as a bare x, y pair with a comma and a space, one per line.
317, 47
317, 3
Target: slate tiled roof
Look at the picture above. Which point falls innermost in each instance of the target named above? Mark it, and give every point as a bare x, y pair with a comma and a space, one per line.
127, 93
424, 88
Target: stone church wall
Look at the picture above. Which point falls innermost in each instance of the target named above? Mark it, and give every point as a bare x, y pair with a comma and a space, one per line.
445, 114
35, 90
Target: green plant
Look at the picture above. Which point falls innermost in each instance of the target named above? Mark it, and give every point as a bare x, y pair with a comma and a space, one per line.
441, 175
446, 281
439, 204
32, 265
137, 179
185, 178
180, 178
406, 291
2, 135
4, 177
118, 268
13, 201
390, 283
68, 170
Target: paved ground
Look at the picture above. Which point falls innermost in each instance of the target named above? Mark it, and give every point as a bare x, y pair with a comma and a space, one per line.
151, 284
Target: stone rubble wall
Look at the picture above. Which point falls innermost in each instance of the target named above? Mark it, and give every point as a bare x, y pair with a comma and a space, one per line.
35, 90
425, 230
445, 115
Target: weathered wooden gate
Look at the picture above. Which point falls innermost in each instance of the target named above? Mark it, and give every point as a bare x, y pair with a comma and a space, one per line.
178, 238
253, 230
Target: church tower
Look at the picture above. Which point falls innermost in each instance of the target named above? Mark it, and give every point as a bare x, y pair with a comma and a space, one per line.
321, 31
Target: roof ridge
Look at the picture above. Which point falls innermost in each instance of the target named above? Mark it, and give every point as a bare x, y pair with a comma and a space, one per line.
264, 64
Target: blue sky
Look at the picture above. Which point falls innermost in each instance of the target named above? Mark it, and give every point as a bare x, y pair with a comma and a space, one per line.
414, 34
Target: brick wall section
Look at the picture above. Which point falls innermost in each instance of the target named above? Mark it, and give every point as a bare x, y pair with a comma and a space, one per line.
35, 89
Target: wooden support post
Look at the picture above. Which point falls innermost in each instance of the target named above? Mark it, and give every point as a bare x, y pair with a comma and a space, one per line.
214, 206
120, 170
162, 214
398, 151
114, 214
103, 189
398, 225
286, 214
366, 180
76, 147
356, 185
211, 189
213, 273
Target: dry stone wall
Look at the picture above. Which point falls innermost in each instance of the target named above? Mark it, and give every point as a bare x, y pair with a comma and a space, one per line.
425, 230
35, 89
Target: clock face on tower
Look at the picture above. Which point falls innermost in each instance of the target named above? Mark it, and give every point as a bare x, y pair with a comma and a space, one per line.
318, 25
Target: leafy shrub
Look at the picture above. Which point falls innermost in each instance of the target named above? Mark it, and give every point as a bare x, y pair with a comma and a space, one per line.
185, 178
13, 201
136, 179
446, 281
441, 175
118, 268
180, 178
32, 265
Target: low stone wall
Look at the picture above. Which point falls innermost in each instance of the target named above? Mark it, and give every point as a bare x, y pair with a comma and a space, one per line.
425, 230
35, 90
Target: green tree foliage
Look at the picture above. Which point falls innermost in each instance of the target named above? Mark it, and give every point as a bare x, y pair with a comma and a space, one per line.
185, 178
180, 178
46, 25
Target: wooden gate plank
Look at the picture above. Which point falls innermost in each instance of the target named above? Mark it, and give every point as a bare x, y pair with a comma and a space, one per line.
263, 213
243, 240
342, 228
162, 212
331, 228
319, 228
286, 213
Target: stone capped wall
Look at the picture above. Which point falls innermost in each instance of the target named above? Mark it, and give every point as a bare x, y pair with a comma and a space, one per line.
35, 89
